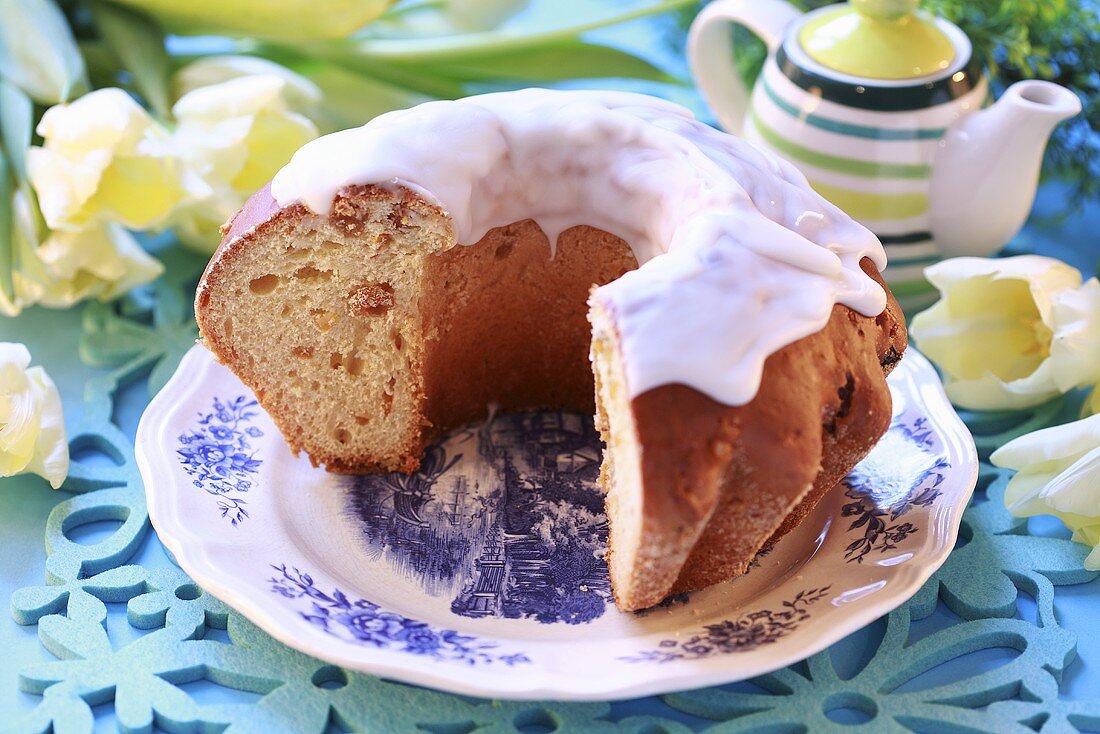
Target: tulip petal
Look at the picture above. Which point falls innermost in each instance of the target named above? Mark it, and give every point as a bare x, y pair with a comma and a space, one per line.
1022, 495
1065, 443
38, 52
105, 160
300, 93
1058, 474
32, 426
1075, 351
993, 329
236, 135
138, 191
103, 262
1075, 490
271, 141
1092, 560
51, 459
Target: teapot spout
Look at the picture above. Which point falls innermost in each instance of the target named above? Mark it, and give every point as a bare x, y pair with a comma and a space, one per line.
986, 172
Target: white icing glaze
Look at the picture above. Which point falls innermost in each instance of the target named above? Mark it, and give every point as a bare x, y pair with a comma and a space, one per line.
738, 256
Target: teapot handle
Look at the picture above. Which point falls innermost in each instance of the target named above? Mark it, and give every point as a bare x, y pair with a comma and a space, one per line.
710, 51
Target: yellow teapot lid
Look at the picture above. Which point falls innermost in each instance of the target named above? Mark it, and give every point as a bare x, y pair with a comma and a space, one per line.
878, 39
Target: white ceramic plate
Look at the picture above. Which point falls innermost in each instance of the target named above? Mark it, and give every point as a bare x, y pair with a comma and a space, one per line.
483, 575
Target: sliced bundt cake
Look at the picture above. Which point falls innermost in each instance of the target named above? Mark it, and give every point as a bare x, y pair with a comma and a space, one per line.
395, 280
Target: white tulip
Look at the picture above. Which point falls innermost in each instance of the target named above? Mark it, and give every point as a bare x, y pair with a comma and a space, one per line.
1010, 333
1058, 473
236, 135
105, 159
32, 426
300, 93
100, 261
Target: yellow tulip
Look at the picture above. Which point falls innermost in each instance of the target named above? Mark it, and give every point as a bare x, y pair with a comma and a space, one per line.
101, 261
105, 159
300, 93
281, 19
1011, 333
1077, 352
236, 135
32, 426
1058, 473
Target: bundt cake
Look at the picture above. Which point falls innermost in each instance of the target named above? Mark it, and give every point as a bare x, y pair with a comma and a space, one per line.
738, 330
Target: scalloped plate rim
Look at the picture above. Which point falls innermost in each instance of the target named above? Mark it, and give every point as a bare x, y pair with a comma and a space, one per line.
510, 683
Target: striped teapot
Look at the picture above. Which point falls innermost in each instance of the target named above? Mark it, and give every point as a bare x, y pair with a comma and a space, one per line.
884, 108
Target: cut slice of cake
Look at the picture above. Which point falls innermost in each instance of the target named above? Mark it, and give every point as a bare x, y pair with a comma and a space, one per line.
367, 333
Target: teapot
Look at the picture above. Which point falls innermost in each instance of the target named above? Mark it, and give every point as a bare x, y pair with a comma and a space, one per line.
885, 110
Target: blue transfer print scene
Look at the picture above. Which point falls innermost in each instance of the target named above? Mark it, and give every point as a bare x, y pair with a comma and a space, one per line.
218, 455
505, 518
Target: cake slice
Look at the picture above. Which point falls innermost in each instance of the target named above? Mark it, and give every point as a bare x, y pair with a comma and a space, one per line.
367, 333
694, 487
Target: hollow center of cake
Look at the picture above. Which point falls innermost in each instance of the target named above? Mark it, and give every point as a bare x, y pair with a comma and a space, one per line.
505, 321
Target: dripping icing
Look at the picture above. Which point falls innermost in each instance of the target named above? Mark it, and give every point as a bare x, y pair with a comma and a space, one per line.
738, 256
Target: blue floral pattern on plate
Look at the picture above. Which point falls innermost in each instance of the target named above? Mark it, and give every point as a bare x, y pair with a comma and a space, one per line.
365, 623
746, 632
882, 491
218, 456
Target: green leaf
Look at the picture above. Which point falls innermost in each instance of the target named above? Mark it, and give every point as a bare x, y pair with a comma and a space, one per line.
139, 44
154, 332
351, 98
38, 53
16, 124
441, 66
410, 78
7, 231
110, 341
102, 63
452, 49
569, 59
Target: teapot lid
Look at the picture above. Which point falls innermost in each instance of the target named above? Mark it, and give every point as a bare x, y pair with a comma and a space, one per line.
878, 39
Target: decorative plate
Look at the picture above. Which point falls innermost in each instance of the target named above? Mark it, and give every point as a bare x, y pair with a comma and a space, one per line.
483, 573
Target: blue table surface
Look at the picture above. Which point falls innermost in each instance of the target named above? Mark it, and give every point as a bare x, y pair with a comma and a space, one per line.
25, 503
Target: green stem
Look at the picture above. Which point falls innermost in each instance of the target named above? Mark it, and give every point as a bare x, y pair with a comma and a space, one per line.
411, 79
479, 44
